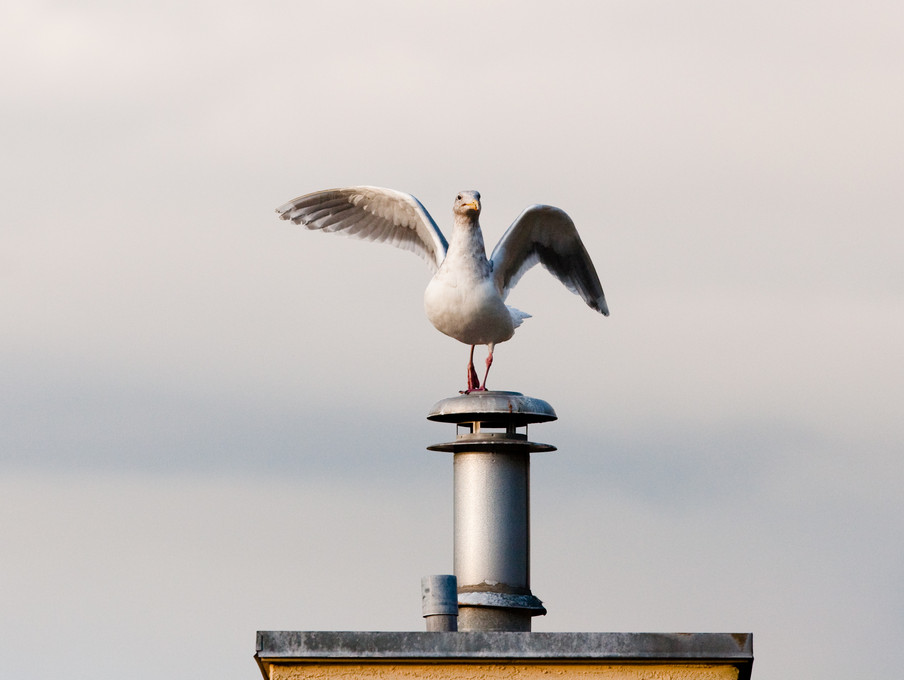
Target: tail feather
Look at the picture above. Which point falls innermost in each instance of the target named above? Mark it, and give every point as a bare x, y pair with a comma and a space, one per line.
517, 316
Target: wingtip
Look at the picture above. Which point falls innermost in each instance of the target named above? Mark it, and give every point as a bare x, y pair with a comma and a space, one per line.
602, 307
284, 212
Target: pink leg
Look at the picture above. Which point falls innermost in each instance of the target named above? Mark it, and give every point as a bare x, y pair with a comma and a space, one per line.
489, 363
473, 380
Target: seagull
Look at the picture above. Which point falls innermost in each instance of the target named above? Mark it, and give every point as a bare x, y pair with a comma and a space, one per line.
465, 299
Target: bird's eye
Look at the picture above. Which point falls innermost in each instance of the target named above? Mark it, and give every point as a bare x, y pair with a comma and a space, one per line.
458, 198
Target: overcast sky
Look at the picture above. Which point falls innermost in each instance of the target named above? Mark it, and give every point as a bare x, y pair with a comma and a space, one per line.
213, 422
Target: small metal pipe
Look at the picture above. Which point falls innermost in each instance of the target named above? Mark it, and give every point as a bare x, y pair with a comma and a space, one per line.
439, 601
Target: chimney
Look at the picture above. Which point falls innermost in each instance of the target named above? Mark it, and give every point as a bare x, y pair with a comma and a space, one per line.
489, 598
491, 461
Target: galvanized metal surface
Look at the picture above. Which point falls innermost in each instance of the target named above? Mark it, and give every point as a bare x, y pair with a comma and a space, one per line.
439, 594
441, 623
439, 602
488, 619
514, 408
503, 600
482, 442
492, 505
281, 646
481, 412
492, 519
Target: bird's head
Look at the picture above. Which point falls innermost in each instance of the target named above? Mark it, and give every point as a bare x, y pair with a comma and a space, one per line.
467, 204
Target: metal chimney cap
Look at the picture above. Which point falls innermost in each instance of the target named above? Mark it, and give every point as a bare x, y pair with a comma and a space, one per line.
506, 408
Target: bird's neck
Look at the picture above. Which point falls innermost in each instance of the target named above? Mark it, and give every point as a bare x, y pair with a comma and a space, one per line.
467, 239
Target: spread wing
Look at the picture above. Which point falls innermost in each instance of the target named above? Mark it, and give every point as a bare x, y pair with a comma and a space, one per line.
547, 235
371, 214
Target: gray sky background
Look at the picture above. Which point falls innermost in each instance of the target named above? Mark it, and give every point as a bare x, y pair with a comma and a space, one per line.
213, 422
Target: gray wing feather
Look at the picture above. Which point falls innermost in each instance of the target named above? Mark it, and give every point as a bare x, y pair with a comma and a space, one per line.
547, 235
371, 214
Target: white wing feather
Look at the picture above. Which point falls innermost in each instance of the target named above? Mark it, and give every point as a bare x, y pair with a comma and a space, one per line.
371, 214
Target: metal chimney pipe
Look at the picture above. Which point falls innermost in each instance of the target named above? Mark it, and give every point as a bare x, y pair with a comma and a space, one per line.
491, 465
439, 598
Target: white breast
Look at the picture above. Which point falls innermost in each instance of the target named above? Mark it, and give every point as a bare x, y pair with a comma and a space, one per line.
468, 309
